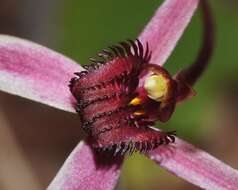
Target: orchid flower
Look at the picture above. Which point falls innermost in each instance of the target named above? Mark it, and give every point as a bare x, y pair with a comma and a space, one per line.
39, 74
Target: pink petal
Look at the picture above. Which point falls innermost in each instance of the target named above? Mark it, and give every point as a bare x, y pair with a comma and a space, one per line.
195, 166
166, 27
35, 72
82, 171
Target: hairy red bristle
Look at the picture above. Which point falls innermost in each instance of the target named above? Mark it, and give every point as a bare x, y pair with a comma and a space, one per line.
104, 92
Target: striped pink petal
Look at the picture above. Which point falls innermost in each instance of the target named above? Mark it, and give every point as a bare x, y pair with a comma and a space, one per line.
195, 166
166, 27
35, 72
83, 171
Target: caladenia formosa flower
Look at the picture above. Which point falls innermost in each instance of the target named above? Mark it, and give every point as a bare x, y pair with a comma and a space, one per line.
122, 95
145, 91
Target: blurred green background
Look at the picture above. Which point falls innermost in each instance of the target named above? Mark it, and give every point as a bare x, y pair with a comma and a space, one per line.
79, 29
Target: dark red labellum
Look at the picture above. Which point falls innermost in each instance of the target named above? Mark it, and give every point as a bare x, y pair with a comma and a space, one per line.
104, 92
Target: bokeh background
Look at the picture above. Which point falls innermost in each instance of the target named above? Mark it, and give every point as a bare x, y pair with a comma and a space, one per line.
35, 139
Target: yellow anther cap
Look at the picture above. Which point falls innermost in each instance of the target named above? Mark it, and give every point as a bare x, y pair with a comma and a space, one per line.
136, 101
156, 87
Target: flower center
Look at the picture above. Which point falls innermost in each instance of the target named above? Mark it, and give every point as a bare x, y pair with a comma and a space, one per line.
117, 111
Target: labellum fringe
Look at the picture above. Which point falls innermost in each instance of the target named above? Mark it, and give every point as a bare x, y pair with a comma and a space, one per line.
115, 108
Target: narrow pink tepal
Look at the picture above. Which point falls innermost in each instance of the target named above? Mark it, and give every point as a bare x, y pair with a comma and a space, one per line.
166, 27
35, 72
196, 166
85, 170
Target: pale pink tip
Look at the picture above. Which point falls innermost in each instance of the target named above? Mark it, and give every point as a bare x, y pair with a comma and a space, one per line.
195, 166
166, 27
35, 72
84, 171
